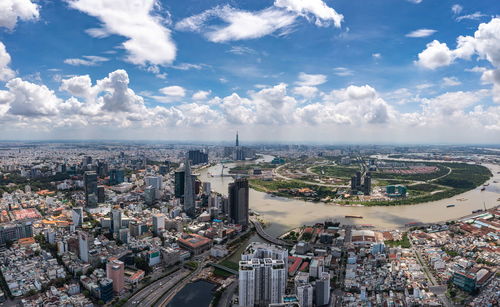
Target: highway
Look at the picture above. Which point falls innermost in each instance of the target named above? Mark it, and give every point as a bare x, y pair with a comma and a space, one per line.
149, 294
166, 297
264, 235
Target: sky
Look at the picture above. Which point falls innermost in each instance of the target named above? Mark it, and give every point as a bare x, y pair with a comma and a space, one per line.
319, 71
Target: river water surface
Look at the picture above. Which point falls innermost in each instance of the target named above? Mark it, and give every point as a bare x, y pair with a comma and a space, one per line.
284, 213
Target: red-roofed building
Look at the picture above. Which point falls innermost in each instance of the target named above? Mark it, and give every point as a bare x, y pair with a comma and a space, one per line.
194, 243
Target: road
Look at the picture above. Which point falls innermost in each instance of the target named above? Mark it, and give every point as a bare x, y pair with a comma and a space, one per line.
167, 296
149, 294
264, 235
277, 174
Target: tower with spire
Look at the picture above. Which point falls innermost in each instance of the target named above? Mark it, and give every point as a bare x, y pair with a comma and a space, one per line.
237, 140
239, 154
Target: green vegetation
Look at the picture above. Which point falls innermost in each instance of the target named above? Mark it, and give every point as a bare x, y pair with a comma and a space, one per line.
336, 171
222, 273
284, 188
230, 264
465, 176
404, 242
424, 187
193, 265
248, 167
442, 170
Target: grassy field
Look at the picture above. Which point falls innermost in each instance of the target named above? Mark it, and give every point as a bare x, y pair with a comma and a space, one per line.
443, 170
404, 242
336, 171
275, 186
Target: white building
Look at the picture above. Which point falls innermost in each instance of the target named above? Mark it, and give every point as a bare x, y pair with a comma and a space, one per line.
83, 243
77, 216
158, 223
262, 275
303, 290
155, 181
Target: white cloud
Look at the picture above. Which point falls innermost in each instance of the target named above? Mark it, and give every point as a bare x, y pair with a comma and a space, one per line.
149, 41
88, 60
188, 66
457, 9
476, 69
421, 33
5, 72
201, 95
173, 90
474, 16
342, 71
12, 10
240, 24
451, 81
415, 1
307, 92
310, 79
240, 50
29, 99
317, 9
376, 55
435, 55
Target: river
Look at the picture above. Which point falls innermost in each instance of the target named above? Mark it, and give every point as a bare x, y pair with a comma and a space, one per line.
284, 213
199, 293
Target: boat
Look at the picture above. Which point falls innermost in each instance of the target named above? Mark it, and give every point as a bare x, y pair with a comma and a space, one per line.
486, 184
477, 211
483, 188
353, 217
462, 199
449, 206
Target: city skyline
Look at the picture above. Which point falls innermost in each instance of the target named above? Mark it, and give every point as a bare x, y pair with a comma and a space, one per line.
306, 71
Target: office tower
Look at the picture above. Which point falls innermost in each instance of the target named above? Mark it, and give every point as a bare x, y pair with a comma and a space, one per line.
155, 181
322, 290
188, 190
83, 244
262, 279
116, 176
238, 202
102, 169
197, 157
90, 182
123, 235
106, 290
179, 183
101, 195
367, 184
86, 160
158, 223
239, 154
149, 195
116, 220
115, 270
77, 216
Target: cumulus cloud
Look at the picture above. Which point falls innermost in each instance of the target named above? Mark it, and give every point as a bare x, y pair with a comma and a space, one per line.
86, 60
201, 95
240, 24
5, 72
307, 92
343, 72
421, 33
149, 40
13, 10
435, 55
310, 79
451, 81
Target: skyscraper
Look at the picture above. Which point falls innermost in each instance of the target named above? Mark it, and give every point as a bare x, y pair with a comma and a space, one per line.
179, 183
116, 220
188, 190
239, 154
262, 275
77, 216
116, 176
322, 290
155, 181
198, 157
158, 223
238, 202
90, 182
83, 244
115, 270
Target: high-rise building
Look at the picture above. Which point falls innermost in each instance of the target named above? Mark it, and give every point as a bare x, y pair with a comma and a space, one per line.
102, 169
155, 181
116, 176
238, 202
77, 216
179, 183
90, 183
14, 232
83, 244
115, 270
322, 290
158, 223
304, 291
262, 279
198, 157
106, 290
101, 195
239, 153
116, 220
149, 195
189, 206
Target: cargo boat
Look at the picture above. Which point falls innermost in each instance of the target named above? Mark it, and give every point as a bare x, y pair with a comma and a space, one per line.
477, 211
449, 206
353, 217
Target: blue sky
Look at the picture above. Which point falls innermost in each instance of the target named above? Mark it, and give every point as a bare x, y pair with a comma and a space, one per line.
281, 70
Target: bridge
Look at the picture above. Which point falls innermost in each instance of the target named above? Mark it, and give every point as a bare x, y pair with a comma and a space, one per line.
264, 235
225, 268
